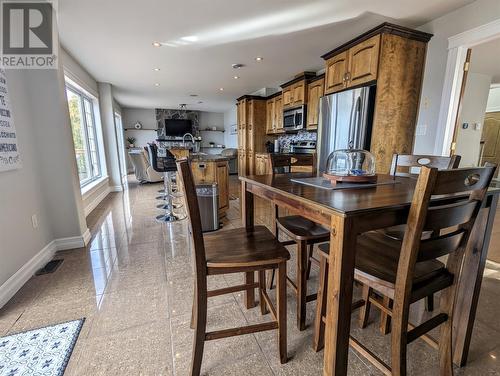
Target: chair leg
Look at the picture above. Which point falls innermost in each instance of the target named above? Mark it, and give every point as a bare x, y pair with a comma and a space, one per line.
281, 312
200, 324
319, 326
385, 319
309, 262
429, 303
193, 309
262, 288
301, 284
364, 313
271, 279
398, 340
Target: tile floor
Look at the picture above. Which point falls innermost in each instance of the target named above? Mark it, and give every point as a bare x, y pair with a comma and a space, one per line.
133, 283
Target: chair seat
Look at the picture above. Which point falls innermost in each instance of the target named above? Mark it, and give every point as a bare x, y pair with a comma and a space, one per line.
377, 258
239, 249
302, 229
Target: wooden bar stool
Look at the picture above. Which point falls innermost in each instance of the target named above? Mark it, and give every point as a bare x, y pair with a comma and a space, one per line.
301, 231
232, 251
407, 270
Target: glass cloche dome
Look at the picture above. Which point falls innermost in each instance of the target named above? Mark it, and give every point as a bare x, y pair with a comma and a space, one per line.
350, 162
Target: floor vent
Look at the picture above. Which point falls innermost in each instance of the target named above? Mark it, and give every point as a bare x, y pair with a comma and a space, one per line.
51, 267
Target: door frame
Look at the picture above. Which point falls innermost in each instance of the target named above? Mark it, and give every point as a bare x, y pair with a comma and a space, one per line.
450, 99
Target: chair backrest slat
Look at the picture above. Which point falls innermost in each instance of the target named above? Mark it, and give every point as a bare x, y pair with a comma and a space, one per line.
288, 161
461, 180
440, 246
449, 215
406, 162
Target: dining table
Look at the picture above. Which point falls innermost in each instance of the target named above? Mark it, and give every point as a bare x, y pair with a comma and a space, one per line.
348, 212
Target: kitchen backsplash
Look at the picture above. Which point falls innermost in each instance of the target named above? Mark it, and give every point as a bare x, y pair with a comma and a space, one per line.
287, 139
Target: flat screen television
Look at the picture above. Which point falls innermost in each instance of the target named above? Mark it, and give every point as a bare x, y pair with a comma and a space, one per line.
178, 127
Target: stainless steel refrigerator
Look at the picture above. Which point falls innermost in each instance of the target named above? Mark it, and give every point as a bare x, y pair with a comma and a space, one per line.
345, 122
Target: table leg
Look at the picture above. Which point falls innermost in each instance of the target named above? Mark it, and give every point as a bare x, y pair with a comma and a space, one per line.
339, 297
301, 284
470, 282
247, 216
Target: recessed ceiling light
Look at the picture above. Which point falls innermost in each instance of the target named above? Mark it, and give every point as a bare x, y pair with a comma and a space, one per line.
221, 89
157, 44
236, 77
237, 66
156, 69
259, 58
157, 84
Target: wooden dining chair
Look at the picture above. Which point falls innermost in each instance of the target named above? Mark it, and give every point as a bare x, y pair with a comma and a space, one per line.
232, 251
408, 270
404, 165
302, 232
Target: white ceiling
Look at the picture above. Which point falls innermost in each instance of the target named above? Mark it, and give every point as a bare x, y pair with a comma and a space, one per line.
485, 59
113, 41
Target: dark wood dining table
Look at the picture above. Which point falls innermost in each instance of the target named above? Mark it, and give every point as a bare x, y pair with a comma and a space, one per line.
349, 212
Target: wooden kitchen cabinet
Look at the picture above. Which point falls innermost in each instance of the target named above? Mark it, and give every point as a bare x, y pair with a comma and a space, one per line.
393, 58
262, 166
270, 116
363, 61
251, 131
315, 92
335, 73
353, 67
295, 91
213, 171
278, 113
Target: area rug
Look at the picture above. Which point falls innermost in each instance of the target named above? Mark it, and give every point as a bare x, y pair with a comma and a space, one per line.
45, 351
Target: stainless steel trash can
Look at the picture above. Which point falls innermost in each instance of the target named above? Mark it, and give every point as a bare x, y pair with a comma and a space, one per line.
208, 201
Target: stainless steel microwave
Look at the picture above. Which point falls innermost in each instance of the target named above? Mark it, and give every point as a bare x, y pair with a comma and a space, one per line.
294, 119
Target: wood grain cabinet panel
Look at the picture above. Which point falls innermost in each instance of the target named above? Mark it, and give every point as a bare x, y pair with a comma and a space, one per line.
363, 61
287, 96
222, 178
315, 92
270, 116
299, 91
278, 113
336, 70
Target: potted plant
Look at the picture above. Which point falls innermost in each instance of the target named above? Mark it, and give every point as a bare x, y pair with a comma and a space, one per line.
131, 141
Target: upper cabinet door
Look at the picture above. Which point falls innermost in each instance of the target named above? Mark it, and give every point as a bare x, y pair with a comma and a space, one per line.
242, 107
363, 61
278, 109
336, 72
298, 96
315, 91
287, 96
270, 121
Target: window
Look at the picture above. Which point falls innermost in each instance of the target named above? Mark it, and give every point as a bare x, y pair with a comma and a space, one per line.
82, 116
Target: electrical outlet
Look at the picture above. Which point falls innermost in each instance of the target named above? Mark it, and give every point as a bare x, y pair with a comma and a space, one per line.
34, 221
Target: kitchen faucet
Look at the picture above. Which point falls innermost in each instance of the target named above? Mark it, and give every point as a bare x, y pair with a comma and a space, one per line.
184, 139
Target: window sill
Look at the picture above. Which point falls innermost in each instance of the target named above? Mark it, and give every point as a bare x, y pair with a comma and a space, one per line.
87, 189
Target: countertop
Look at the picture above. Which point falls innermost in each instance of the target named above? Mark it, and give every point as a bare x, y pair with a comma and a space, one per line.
208, 158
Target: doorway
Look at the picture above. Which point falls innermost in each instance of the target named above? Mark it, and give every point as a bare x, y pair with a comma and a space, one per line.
476, 136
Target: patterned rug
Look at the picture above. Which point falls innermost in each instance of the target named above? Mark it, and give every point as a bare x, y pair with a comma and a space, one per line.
42, 352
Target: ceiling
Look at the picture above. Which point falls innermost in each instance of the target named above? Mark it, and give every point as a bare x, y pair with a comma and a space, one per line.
202, 38
484, 59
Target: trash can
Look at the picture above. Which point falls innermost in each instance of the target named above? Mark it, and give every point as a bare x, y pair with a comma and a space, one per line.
208, 201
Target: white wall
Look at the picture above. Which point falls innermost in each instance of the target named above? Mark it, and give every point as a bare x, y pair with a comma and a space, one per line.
211, 119
473, 110
473, 15
146, 116
47, 184
231, 140
494, 100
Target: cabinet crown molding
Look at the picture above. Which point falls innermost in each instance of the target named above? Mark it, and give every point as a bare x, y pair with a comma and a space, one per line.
385, 28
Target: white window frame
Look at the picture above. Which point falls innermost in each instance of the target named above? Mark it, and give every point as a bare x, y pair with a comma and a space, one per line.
85, 96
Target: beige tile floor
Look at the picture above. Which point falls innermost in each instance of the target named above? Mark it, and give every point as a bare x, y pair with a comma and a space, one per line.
133, 284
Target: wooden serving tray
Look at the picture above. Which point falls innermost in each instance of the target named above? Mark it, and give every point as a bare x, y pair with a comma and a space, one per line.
334, 179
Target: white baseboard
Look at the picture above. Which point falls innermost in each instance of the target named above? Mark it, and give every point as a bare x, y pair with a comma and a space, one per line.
86, 236
88, 209
116, 188
14, 283
72, 242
